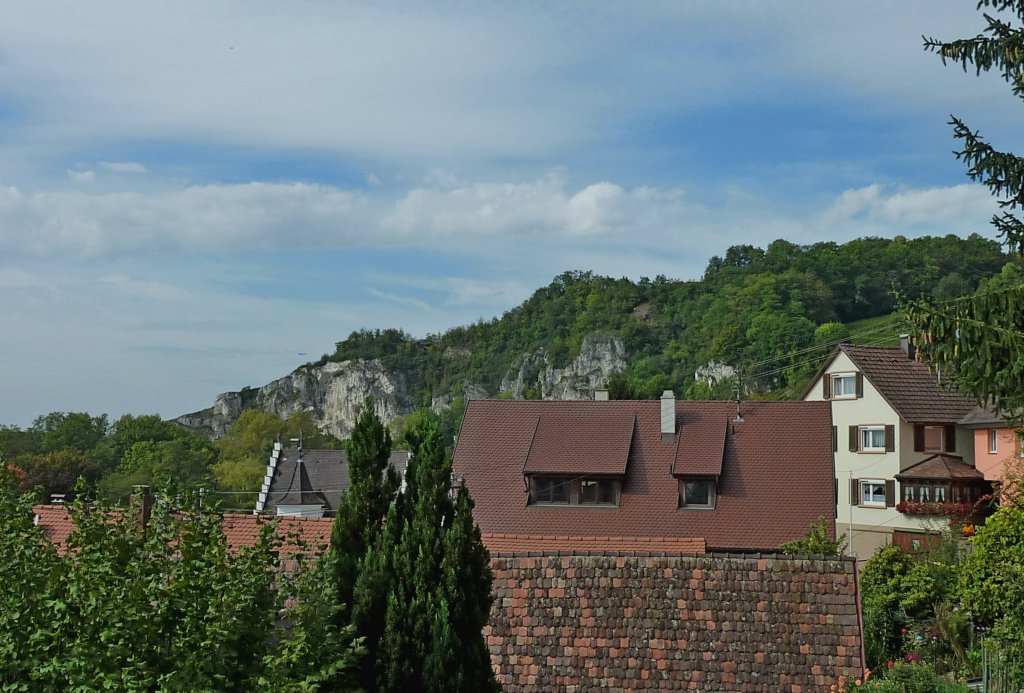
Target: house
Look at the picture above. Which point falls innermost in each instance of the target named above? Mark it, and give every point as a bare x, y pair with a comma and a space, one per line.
298, 534
997, 444
672, 476
902, 461
309, 483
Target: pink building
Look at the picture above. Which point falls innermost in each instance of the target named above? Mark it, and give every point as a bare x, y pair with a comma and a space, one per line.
997, 446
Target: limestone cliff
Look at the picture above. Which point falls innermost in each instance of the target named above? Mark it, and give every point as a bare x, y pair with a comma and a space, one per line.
335, 391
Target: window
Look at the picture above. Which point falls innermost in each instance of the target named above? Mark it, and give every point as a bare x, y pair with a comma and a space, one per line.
872, 438
844, 385
993, 440
927, 492
555, 490
872, 493
933, 439
547, 489
597, 492
697, 494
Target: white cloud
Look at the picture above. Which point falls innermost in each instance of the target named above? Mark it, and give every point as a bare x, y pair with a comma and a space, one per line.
122, 166
82, 176
373, 179
953, 207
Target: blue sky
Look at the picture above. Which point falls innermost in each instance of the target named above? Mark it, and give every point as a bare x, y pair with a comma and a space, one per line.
195, 197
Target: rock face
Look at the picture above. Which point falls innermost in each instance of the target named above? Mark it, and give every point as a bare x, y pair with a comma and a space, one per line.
714, 372
601, 356
334, 393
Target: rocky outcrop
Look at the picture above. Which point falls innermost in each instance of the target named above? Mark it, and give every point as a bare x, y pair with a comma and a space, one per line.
714, 373
601, 356
334, 393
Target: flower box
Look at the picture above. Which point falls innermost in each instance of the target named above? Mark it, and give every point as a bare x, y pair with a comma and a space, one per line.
924, 508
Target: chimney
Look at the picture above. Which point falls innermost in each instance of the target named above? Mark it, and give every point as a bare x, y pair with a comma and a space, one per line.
907, 347
600, 394
142, 496
668, 416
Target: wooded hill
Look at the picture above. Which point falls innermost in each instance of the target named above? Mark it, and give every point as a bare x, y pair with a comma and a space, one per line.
763, 311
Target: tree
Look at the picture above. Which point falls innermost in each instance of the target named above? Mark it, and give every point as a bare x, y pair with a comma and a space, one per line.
992, 581
979, 340
160, 605
423, 595
816, 543
75, 430
373, 483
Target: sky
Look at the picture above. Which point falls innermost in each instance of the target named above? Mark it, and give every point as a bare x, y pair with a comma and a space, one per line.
196, 197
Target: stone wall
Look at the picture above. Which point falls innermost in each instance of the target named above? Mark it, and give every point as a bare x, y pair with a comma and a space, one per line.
709, 622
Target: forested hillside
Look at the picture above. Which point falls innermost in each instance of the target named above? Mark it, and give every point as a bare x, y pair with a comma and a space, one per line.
771, 314
761, 311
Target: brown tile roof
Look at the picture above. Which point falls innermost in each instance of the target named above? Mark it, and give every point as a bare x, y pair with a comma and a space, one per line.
910, 387
776, 471
518, 543
239, 530
941, 468
983, 417
704, 623
700, 445
601, 446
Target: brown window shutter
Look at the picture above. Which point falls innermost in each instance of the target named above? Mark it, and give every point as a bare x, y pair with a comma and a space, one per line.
890, 438
918, 438
835, 439
860, 383
949, 438
854, 491
854, 439
890, 493
826, 386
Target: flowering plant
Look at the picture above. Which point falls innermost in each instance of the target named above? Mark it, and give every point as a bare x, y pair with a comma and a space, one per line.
926, 508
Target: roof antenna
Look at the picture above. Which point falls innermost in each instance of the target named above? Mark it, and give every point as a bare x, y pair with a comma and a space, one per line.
739, 414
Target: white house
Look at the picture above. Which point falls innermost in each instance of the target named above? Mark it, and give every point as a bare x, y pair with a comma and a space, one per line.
902, 463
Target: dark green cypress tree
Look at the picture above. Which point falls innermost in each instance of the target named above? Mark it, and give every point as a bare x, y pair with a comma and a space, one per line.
466, 586
423, 597
373, 484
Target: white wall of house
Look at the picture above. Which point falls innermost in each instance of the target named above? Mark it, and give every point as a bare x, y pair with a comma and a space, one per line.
871, 526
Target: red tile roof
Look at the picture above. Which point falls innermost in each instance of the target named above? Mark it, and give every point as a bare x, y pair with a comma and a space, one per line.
941, 468
910, 387
700, 449
776, 470
57, 523
519, 543
602, 446
674, 623
239, 530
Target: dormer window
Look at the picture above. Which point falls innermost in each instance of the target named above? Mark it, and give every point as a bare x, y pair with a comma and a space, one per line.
697, 494
558, 490
549, 490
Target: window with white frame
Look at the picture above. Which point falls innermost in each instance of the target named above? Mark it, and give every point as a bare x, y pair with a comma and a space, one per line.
872, 493
872, 438
993, 440
844, 385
